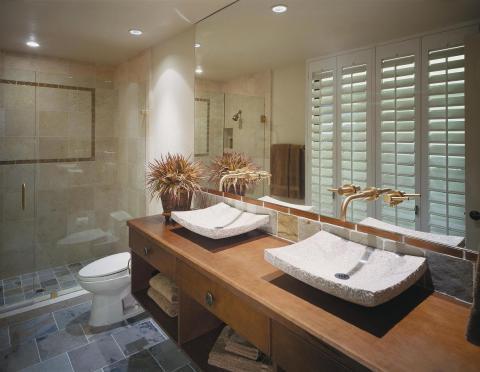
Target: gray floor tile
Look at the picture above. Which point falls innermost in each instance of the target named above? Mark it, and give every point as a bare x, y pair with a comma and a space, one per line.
30, 329
78, 314
94, 333
137, 318
68, 284
60, 363
19, 356
139, 362
95, 355
50, 284
75, 267
187, 368
60, 342
13, 292
138, 336
28, 276
10, 283
34, 294
169, 356
9, 300
4, 338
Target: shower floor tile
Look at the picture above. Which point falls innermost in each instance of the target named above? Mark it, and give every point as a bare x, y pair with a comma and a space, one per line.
25, 287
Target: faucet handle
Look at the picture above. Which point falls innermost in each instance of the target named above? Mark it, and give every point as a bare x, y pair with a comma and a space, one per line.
346, 190
396, 197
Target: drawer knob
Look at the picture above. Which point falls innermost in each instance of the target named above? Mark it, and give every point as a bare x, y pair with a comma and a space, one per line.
209, 298
146, 250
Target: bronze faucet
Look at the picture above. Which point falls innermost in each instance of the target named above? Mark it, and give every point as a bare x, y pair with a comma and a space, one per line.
352, 192
244, 174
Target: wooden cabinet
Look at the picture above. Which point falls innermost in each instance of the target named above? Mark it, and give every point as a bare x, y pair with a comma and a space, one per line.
293, 352
248, 322
228, 281
157, 257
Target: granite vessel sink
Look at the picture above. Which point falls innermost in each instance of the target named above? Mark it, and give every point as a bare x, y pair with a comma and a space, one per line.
430, 237
269, 199
348, 270
220, 221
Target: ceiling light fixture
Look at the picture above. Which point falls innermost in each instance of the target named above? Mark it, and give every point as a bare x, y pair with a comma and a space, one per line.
279, 8
197, 45
32, 44
199, 70
135, 32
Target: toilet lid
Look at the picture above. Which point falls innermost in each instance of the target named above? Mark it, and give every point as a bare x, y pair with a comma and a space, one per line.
106, 266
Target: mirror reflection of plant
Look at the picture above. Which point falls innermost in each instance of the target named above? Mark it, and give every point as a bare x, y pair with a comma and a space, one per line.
233, 162
174, 179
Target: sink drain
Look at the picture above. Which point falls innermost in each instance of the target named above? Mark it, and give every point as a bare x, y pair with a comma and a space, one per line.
342, 276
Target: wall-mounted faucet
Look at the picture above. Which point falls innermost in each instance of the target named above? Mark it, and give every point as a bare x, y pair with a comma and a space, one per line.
352, 192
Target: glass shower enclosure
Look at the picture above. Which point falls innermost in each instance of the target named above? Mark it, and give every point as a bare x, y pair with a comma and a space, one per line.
64, 200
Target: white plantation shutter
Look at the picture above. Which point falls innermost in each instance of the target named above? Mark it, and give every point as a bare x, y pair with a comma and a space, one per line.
419, 127
446, 141
353, 133
397, 121
322, 141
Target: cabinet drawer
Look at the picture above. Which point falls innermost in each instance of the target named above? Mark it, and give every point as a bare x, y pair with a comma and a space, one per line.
247, 321
295, 353
155, 255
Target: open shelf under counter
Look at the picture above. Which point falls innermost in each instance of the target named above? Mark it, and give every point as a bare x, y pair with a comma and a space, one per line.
168, 324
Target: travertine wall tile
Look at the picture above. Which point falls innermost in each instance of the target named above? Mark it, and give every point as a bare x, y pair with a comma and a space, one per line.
287, 226
307, 228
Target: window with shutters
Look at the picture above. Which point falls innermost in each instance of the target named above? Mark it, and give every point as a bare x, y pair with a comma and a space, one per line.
418, 144
396, 128
446, 141
322, 141
353, 133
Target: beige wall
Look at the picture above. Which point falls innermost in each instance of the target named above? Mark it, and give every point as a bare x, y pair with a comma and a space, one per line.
288, 104
171, 100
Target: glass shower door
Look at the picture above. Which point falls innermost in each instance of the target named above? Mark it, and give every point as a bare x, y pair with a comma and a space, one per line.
17, 189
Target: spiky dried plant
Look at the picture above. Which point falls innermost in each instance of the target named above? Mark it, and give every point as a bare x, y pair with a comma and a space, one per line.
173, 175
233, 162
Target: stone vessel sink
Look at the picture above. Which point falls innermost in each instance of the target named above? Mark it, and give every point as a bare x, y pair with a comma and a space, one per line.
220, 221
348, 270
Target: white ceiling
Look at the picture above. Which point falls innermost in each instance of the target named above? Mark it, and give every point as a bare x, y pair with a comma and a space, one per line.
96, 30
247, 37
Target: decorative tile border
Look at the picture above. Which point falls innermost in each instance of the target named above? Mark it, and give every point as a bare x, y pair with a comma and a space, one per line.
57, 160
451, 270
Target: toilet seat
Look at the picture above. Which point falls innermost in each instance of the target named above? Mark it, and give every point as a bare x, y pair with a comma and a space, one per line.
107, 268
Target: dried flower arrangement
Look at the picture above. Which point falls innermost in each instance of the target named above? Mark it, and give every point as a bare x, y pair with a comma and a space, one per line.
174, 179
236, 172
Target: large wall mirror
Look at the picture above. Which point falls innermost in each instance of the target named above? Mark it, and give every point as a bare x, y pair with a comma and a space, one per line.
368, 94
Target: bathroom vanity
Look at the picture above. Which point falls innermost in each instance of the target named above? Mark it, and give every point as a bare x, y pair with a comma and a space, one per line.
299, 327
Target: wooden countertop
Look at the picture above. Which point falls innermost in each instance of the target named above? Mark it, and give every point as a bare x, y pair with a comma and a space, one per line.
417, 330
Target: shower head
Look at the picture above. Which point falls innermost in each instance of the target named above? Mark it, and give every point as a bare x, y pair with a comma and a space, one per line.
237, 116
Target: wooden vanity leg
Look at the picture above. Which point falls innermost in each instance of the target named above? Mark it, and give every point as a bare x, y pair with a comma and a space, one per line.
194, 320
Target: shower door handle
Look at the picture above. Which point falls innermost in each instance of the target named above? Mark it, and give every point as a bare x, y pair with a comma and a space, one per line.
24, 197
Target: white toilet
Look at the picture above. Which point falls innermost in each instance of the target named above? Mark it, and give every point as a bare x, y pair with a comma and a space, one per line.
108, 279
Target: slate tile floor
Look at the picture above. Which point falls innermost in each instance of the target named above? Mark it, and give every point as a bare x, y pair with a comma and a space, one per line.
39, 284
63, 341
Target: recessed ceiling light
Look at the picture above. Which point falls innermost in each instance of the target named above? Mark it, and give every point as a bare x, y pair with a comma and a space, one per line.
197, 45
199, 70
135, 32
279, 8
32, 44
